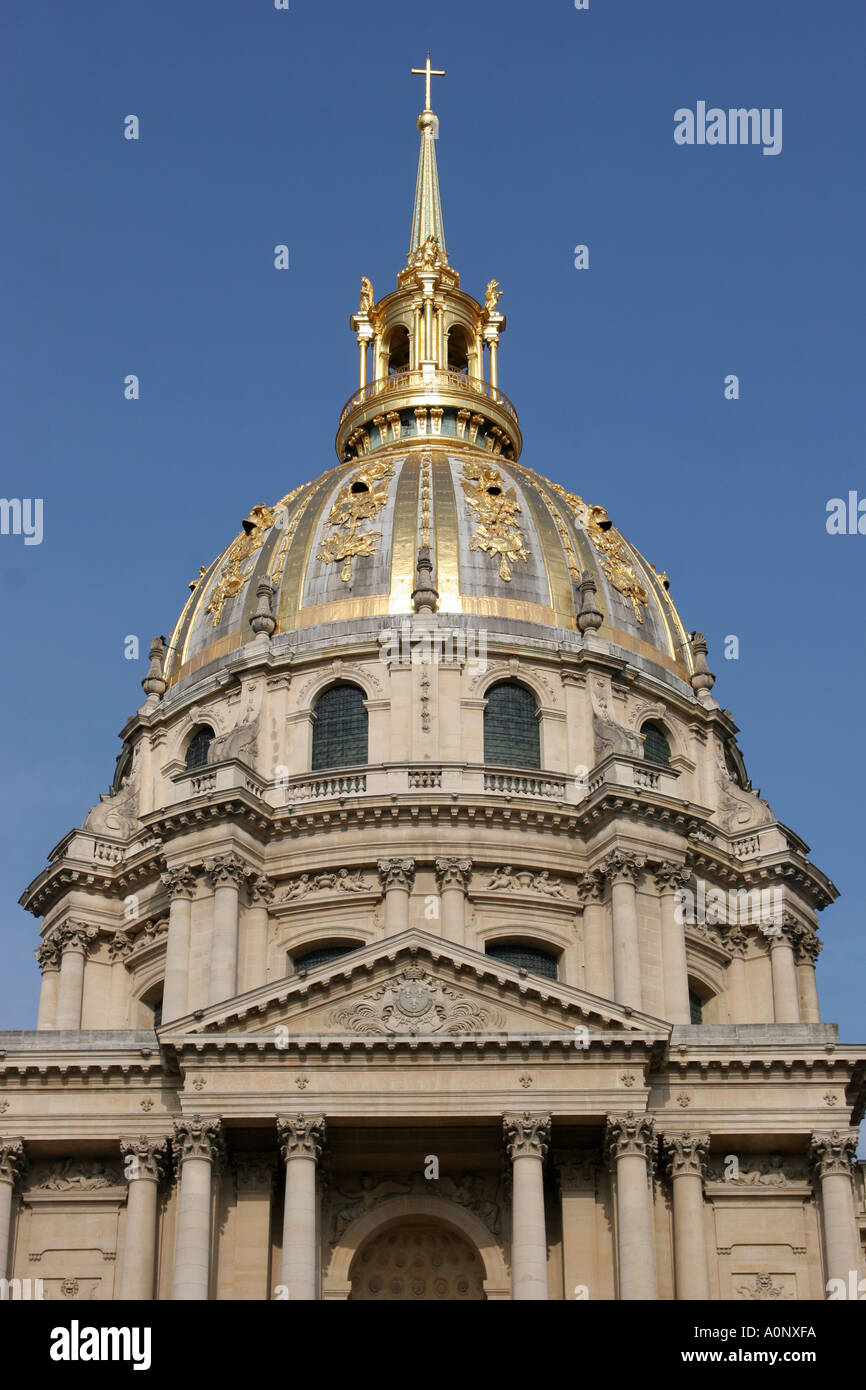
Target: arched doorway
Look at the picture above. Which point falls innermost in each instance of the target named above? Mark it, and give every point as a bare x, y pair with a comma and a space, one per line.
417, 1261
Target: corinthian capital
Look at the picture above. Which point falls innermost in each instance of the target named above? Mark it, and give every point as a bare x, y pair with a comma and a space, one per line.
180, 881
300, 1136
144, 1157
120, 946
685, 1153
834, 1153
526, 1136
396, 873
453, 873
629, 1134
48, 954
621, 867
76, 936
195, 1137
13, 1161
226, 870
670, 877
806, 945
261, 890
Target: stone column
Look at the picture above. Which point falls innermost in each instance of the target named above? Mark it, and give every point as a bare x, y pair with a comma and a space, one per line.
143, 1159
397, 877
226, 873
686, 1156
833, 1155
453, 877
597, 974
629, 1146
74, 939
255, 971
670, 879
738, 996
181, 884
786, 994
527, 1138
48, 956
119, 948
624, 870
12, 1167
808, 948
301, 1138
198, 1148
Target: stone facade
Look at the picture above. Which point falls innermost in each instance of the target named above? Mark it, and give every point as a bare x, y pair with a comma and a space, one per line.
207, 1111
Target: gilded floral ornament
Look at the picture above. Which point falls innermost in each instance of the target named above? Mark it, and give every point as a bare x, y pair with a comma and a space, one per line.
234, 576
496, 532
609, 543
360, 499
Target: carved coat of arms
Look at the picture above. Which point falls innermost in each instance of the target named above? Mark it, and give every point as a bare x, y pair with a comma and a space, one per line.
414, 1002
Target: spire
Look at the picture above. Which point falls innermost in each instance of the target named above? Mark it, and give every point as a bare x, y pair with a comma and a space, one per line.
427, 212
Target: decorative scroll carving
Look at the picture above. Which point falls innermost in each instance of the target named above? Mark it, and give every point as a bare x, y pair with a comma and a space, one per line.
834, 1153
527, 881
75, 1175
685, 1153
144, 1157
180, 882
526, 1136
621, 867
615, 561
629, 1134
453, 873
13, 1160
341, 882
396, 873
233, 576
496, 531
300, 1136
415, 1002
195, 1137
360, 499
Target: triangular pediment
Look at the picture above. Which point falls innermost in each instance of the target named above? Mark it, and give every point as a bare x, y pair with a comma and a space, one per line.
415, 987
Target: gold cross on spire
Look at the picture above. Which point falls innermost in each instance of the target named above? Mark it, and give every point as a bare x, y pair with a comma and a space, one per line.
428, 72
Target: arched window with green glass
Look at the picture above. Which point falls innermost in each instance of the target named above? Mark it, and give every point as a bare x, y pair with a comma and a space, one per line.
656, 745
511, 732
339, 728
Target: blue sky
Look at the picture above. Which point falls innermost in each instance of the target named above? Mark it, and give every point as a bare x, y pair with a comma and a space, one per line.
261, 127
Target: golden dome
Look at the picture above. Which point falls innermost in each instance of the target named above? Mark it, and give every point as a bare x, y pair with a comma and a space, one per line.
428, 447
508, 548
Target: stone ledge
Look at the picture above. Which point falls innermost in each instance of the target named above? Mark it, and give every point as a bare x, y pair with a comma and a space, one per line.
772, 1034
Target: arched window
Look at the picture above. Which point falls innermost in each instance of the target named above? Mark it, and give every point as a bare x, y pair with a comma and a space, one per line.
520, 957
319, 955
340, 728
398, 349
511, 737
656, 748
696, 1007
458, 349
198, 746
